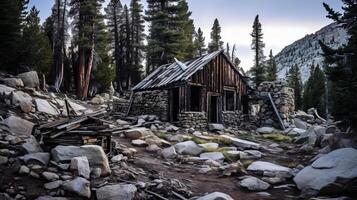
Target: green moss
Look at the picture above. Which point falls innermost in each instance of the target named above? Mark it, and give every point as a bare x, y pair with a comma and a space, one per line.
198, 140
278, 137
221, 140
246, 163
161, 135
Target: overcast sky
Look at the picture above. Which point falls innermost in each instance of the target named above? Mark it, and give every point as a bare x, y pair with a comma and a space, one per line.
283, 21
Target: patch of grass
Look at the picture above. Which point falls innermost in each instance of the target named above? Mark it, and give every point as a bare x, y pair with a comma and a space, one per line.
198, 140
221, 140
246, 163
161, 135
227, 157
278, 137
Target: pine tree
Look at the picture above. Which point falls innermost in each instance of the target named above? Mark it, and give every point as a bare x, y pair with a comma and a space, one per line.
86, 14
294, 81
258, 70
314, 91
342, 69
272, 70
216, 43
12, 17
115, 17
35, 49
200, 43
184, 21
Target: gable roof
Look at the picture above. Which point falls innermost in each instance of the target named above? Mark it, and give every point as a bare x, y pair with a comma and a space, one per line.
177, 72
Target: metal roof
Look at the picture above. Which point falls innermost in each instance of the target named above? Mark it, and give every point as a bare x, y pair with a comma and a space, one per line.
174, 73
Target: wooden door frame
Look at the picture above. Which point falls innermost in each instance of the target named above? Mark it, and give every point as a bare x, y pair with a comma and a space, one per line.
219, 106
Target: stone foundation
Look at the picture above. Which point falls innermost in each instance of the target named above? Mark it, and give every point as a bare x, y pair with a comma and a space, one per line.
231, 118
151, 103
192, 119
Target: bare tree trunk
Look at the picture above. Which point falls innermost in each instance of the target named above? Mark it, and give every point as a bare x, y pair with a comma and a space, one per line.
117, 51
89, 66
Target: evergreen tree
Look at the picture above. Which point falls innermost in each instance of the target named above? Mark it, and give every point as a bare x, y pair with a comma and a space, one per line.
35, 49
115, 17
294, 81
314, 91
86, 15
170, 32
342, 71
216, 43
258, 70
12, 17
200, 43
272, 70
228, 51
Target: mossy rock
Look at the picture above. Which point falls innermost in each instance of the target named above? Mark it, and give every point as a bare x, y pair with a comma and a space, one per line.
278, 137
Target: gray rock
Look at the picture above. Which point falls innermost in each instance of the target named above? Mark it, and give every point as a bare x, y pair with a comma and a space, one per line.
30, 79
117, 158
13, 82
266, 130
252, 154
5, 89
3, 160
122, 122
188, 148
79, 186
50, 176
117, 192
171, 128
139, 143
31, 145
169, 153
23, 100
261, 166
215, 127
81, 166
244, 144
37, 158
209, 146
51, 198
24, 170
96, 172
141, 121
216, 156
44, 106
19, 126
254, 184
338, 166
235, 155
216, 196
300, 124
94, 154
53, 185
153, 148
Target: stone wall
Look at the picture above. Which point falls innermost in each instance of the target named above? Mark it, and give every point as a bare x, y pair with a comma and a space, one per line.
283, 97
192, 119
151, 103
231, 118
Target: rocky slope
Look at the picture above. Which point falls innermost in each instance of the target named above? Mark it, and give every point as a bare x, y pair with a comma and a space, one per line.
306, 51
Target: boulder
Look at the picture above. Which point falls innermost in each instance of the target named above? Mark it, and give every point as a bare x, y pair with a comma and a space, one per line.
3, 160
53, 185
254, 184
300, 124
79, 186
169, 153
94, 154
335, 168
209, 146
116, 192
139, 143
244, 144
50, 176
5, 89
37, 158
13, 82
81, 166
44, 106
188, 148
267, 167
215, 127
23, 100
19, 126
216, 196
31, 145
266, 130
117, 158
216, 156
30, 79
137, 133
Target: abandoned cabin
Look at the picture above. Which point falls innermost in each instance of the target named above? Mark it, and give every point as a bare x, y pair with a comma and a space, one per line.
208, 89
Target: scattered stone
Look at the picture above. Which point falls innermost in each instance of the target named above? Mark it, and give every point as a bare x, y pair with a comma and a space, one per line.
209, 146
44, 106
117, 158
171, 128
97, 100
24, 170
96, 172
139, 143
137, 133
300, 124
266, 130
30, 79
94, 154
81, 166
13, 82
189, 148
262, 167
274, 180
251, 154
216, 196
234, 155
264, 194
254, 184
3, 160
216, 156
117, 192
122, 122
79, 186
31, 145
169, 153
53, 185
50, 176
51, 198
215, 127
244, 144
37, 158
333, 169
153, 148
34, 175
19, 126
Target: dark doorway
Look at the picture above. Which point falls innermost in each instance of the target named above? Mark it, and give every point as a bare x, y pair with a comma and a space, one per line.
175, 104
245, 104
213, 109
195, 100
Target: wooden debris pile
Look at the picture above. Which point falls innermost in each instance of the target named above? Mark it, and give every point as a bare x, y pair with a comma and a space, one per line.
79, 130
